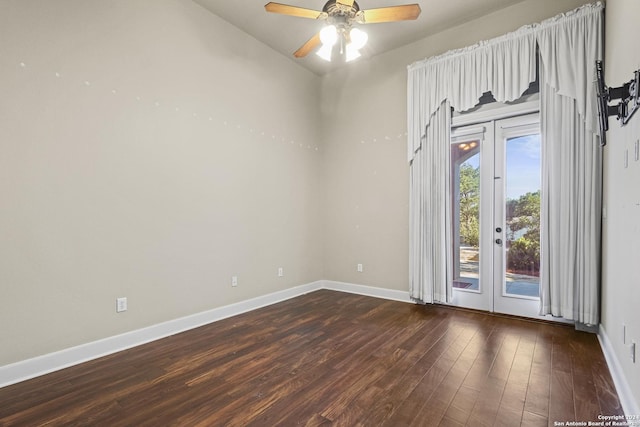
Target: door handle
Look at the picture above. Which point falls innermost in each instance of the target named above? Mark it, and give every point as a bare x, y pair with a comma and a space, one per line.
499, 241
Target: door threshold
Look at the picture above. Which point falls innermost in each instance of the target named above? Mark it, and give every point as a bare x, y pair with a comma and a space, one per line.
551, 321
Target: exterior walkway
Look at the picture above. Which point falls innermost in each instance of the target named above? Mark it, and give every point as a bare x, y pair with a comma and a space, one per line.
516, 284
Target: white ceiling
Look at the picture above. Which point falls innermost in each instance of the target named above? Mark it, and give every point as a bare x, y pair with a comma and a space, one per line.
286, 34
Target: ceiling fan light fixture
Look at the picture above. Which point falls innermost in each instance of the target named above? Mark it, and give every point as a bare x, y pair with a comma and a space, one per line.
358, 38
325, 52
329, 35
328, 38
340, 15
351, 53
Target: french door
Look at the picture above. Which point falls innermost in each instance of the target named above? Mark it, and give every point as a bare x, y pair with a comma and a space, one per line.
495, 182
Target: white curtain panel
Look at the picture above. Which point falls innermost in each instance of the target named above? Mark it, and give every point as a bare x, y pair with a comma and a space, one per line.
430, 194
571, 166
569, 45
571, 206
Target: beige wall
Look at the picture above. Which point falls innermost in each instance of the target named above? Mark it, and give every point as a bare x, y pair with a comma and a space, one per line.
366, 170
621, 246
109, 194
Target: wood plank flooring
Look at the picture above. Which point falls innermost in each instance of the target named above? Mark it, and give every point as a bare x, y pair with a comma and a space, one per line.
330, 358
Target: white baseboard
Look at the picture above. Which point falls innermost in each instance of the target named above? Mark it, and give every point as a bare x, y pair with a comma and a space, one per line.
31, 368
627, 400
41, 365
390, 294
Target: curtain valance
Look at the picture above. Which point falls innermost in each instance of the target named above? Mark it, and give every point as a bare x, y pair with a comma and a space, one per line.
506, 66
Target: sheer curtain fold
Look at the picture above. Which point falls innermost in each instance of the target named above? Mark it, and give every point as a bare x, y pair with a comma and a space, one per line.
571, 206
568, 44
430, 193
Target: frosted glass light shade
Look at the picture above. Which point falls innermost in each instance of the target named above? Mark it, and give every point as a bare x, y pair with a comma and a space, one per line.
325, 52
351, 54
358, 38
329, 35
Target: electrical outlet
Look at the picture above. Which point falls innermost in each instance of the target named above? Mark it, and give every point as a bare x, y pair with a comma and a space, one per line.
121, 304
280, 271
360, 268
234, 281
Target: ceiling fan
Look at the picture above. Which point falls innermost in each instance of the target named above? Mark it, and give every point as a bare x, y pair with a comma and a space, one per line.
339, 31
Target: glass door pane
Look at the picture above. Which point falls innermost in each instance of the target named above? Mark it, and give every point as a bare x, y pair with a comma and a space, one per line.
522, 216
465, 167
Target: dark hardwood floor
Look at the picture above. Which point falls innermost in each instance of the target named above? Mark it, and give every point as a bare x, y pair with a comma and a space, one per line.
330, 358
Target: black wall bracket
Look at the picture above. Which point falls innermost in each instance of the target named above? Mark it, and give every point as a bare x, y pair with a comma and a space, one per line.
628, 94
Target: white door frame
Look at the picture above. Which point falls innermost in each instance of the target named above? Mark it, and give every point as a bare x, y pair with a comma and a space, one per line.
502, 302
481, 299
492, 136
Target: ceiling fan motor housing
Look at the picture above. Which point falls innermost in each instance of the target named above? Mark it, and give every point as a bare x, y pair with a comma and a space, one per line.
332, 8
342, 16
